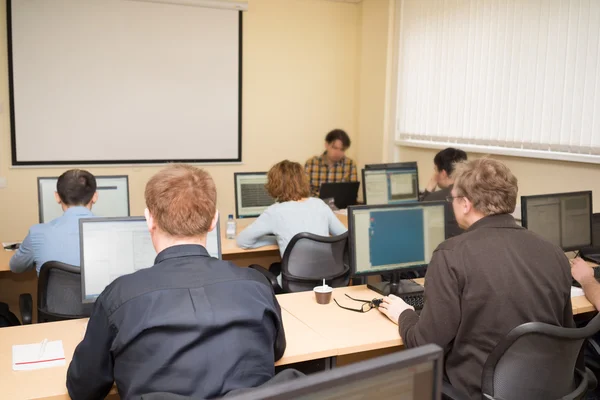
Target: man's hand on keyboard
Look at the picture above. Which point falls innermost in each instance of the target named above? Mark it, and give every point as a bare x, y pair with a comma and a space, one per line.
581, 271
393, 306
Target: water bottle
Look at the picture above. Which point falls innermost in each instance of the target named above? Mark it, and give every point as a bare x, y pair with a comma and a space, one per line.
231, 228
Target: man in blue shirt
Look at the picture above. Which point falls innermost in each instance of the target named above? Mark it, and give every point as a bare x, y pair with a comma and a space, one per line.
58, 240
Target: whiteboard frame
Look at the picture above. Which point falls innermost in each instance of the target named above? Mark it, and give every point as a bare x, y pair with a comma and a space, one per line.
13, 137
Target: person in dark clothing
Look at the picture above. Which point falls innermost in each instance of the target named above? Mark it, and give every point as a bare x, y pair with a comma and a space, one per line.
443, 167
482, 284
191, 324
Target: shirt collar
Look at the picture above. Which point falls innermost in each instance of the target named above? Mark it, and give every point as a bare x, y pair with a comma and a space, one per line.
323, 160
495, 221
78, 211
181, 250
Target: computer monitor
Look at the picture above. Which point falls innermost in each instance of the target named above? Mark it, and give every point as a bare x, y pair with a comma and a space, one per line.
413, 374
564, 219
113, 197
112, 247
251, 196
394, 239
390, 184
407, 164
344, 194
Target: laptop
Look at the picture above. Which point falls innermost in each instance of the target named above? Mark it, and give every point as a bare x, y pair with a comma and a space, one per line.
344, 194
592, 253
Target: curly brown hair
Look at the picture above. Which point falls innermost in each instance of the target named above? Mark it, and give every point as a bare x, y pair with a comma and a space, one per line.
287, 181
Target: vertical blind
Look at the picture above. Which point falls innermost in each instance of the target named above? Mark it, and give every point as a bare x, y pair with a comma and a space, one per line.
518, 75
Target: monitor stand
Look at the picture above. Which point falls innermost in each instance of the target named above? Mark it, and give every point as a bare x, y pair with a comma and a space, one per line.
396, 286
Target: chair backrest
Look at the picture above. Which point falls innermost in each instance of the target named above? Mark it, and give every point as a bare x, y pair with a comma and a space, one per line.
596, 230
537, 361
59, 293
308, 259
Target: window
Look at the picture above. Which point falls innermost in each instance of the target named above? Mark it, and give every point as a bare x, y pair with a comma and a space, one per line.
501, 76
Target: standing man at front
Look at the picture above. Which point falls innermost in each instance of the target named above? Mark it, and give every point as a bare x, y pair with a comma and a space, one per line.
487, 281
333, 165
190, 325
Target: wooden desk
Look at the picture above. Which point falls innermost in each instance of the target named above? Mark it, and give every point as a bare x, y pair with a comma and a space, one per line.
351, 332
49, 383
5, 256
303, 344
313, 331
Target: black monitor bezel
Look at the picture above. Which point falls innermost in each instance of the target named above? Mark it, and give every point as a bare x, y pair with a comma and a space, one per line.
307, 385
538, 196
351, 234
40, 216
235, 176
391, 167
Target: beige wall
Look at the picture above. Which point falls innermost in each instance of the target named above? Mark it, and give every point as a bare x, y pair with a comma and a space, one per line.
299, 82
374, 34
536, 176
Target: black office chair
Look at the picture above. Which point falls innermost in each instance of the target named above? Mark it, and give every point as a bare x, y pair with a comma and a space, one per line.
58, 295
539, 361
286, 375
308, 259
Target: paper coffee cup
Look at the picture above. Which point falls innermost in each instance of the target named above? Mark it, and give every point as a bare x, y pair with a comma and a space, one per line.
323, 294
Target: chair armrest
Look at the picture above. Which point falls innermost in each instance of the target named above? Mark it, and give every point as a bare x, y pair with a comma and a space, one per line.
26, 307
592, 380
449, 392
270, 277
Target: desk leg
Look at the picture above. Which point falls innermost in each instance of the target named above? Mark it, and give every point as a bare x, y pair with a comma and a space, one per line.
330, 363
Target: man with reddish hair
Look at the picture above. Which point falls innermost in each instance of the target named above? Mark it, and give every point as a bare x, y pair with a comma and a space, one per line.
190, 325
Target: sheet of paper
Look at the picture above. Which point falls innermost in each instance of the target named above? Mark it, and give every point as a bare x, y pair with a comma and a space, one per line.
342, 212
29, 356
576, 292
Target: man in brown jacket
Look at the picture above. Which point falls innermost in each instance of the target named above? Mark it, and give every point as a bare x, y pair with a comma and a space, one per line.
482, 284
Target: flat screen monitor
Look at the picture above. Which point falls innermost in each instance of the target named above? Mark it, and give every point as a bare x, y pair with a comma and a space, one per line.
112, 247
413, 374
564, 219
409, 164
113, 197
394, 238
251, 196
392, 184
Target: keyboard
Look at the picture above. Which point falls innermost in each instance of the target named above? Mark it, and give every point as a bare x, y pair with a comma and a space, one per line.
415, 300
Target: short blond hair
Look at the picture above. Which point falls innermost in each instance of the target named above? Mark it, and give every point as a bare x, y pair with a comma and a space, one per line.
182, 200
488, 184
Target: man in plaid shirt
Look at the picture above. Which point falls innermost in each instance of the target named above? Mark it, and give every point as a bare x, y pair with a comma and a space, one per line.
332, 165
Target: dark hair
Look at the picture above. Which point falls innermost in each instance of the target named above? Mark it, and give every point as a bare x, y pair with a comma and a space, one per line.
445, 159
338, 134
76, 187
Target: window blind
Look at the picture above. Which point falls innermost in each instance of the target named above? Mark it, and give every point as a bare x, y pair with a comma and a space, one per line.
501, 76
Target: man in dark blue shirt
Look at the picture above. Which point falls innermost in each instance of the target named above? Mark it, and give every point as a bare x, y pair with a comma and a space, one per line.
191, 324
